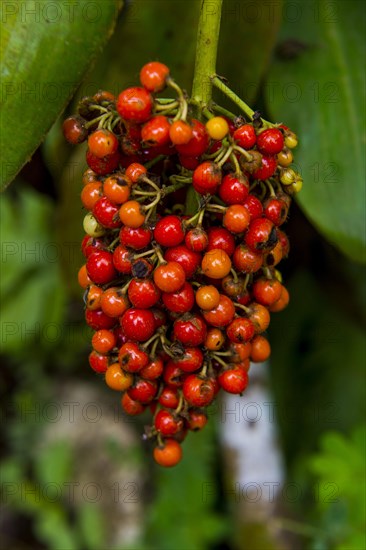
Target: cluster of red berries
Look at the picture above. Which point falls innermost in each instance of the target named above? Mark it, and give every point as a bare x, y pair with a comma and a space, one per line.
179, 301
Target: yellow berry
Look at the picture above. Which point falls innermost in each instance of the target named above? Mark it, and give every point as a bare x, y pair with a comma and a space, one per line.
285, 157
291, 140
217, 127
287, 176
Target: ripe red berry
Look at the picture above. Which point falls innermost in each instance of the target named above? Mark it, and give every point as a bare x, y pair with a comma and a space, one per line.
153, 76
169, 454
186, 258
130, 406
143, 293
267, 291
180, 301
196, 239
105, 165
199, 392
138, 324
267, 169
261, 235
153, 370
97, 319
247, 260
98, 362
74, 130
276, 210
169, 231
169, 277
234, 189
180, 132
206, 178
169, 397
103, 341
167, 424
220, 238
143, 391
270, 141
100, 267
122, 259
254, 206
132, 358
135, 104
155, 132
221, 315
102, 143
191, 360
135, 237
190, 331
236, 218
114, 302
240, 330
106, 213
233, 380
245, 136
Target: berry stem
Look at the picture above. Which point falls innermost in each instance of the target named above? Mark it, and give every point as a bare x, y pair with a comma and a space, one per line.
206, 50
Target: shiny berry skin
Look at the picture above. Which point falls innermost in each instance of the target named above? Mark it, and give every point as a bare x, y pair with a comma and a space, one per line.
261, 349
276, 210
135, 171
180, 301
113, 302
166, 423
117, 188
131, 215
198, 144
117, 379
233, 380
155, 132
197, 420
143, 293
135, 104
103, 341
215, 339
169, 231
97, 319
206, 178
199, 392
135, 237
107, 213
138, 324
254, 206
93, 297
180, 132
219, 237
153, 370
169, 277
132, 358
153, 76
234, 189
102, 143
105, 165
216, 264
270, 141
143, 391
245, 136
196, 239
83, 278
207, 297
98, 362
130, 406
169, 398
217, 127
100, 267
90, 245
267, 169
74, 130
186, 258
191, 360
190, 331
221, 315
260, 317
236, 218
122, 259
240, 352
173, 376
261, 235
240, 330
282, 302
267, 291
90, 194
247, 260
169, 454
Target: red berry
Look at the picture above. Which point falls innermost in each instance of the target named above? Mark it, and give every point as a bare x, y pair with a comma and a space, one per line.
143, 293
169, 277
97, 319
169, 231
240, 330
74, 129
276, 210
105, 165
155, 132
153, 76
102, 143
221, 238
169, 454
245, 136
199, 392
180, 132
135, 237
135, 104
122, 259
221, 315
98, 362
138, 324
261, 235
186, 258
132, 358
100, 267
254, 206
153, 370
233, 380
169, 398
167, 424
267, 291
143, 391
247, 260
270, 142
106, 213
130, 406
267, 169
196, 420
190, 331
180, 301
234, 189
207, 177
191, 360
196, 239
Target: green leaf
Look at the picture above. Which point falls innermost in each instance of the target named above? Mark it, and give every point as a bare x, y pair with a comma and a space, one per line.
46, 48
316, 87
91, 524
54, 463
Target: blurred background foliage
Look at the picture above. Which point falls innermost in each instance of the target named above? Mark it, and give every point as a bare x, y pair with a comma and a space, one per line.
299, 63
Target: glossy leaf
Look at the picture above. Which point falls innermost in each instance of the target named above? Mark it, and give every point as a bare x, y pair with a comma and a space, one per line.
46, 49
316, 86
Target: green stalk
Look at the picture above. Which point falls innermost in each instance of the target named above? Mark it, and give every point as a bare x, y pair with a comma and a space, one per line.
206, 50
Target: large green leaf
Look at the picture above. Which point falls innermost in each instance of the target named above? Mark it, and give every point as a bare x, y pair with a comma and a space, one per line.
46, 47
317, 87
